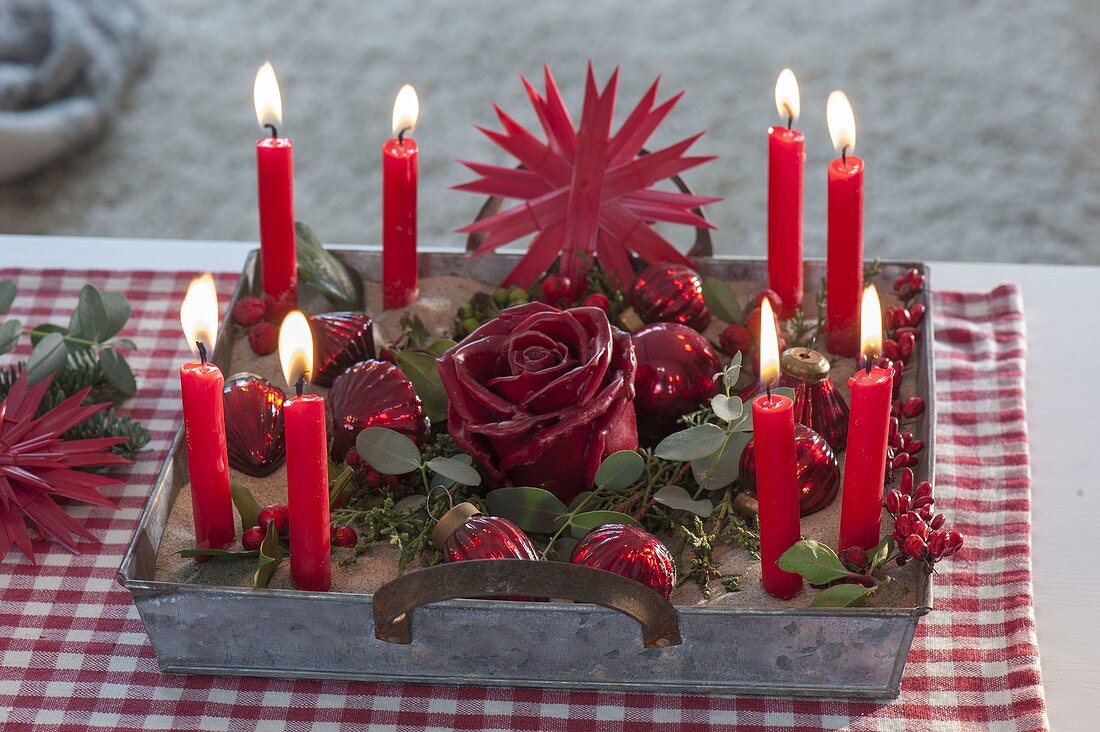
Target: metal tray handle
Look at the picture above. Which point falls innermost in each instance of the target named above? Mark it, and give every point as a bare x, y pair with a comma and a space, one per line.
395, 601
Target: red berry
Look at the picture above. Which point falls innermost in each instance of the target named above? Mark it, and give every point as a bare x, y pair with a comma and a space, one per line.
937, 542
264, 338
903, 525
895, 409
736, 338
773, 298
915, 546
374, 478
913, 407
923, 501
914, 446
249, 310
897, 502
890, 349
917, 283
557, 289
893, 427
937, 521
903, 440
388, 354
277, 514
916, 314
598, 300
954, 543
899, 461
855, 558
252, 538
344, 536
926, 513
899, 318
907, 478
352, 458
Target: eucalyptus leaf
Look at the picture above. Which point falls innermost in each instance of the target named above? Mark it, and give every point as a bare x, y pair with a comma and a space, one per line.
579, 499
721, 301
117, 371
270, 557
421, 370
718, 471
845, 595
387, 451
10, 330
248, 509
441, 346
620, 469
728, 408
582, 523
322, 271
117, 308
816, 562
89, 319
563, 549
676, 497
456, 470
881, 553
410, 504
41, 331
443, 482
7, 295
47, 358
219, 553
532, 509
125, 343
692, 443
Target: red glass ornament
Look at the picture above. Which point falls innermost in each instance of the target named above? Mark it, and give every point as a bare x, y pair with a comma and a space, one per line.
631, 552
670, 293
340, 340
374, 394
676, 368
818, 473
465, 533
254, 424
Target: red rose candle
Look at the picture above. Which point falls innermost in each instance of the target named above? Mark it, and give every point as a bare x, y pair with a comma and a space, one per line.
776, 468
786, 162
306, 461
275, 177
844, 276
399, 171
204, 421
868, 432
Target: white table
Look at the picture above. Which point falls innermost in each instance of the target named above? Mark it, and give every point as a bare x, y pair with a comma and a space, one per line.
1063, 427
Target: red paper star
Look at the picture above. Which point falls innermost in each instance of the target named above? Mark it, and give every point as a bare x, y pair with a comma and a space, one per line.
36, 464
585, 192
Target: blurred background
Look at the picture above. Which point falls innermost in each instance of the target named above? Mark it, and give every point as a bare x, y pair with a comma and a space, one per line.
976, 118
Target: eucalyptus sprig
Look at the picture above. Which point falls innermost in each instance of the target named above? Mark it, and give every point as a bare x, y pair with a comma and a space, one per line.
818, 564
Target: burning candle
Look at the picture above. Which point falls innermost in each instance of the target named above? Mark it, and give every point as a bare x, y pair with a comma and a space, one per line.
306, 461
786, 159
204, 420
868, 432
844, 278
399, 171
776, 479
275, 175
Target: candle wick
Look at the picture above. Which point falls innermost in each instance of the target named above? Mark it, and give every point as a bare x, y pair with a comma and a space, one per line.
768, 389
202, 351
274, 132
401, 135
844, 155
300, 385
870, 363
790, 119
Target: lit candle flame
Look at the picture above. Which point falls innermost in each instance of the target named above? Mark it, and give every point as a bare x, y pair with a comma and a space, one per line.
295, 347
406, 110
199, 314
266, 96
870, 322
769, 344
842, 122
787, 98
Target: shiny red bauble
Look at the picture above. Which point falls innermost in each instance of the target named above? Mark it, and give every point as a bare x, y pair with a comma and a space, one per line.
676, 368
631, 552
340, 340
818, 473
374, 394
253, 424
465, 533
670, 293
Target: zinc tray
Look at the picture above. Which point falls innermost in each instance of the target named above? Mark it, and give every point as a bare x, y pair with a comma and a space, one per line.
854, 652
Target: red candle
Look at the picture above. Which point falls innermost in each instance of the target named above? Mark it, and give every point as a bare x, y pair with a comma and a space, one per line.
844, 278
275, 176
399, 171
776, 480
868, 433
786, 158
204, 421
306, 462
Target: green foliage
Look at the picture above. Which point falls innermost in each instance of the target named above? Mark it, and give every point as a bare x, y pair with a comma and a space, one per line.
321, 270
816, 562
721, 301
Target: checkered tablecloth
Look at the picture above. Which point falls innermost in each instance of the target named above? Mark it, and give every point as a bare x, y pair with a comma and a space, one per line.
74, 654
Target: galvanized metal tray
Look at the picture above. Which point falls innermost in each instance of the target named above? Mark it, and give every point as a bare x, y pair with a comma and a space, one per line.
797, 652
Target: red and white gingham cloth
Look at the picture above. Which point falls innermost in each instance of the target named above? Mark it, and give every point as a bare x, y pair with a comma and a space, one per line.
74, 654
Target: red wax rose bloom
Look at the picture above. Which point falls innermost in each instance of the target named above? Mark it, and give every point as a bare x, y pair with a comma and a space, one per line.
539, 396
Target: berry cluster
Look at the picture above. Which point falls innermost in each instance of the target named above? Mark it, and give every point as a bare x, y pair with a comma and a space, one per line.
367, 475
278, 516
483, 307
918, 530
251, 312
903, 447
744, 337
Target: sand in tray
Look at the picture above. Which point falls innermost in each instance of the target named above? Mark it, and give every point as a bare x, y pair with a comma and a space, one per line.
436, 308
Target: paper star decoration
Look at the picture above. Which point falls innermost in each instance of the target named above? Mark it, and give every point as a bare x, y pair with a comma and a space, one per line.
36, 464
585, 193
